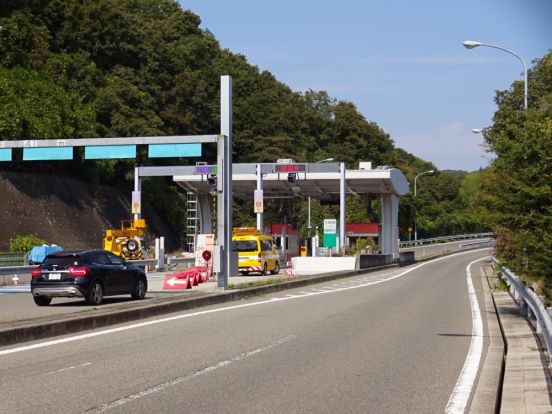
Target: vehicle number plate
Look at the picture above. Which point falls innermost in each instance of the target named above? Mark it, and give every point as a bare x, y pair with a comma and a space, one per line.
54, 276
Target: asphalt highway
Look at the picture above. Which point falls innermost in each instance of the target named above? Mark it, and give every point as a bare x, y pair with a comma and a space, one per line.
390, 342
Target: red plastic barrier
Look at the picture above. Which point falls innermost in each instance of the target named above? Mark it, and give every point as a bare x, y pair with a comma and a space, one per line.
186, 279
176, 281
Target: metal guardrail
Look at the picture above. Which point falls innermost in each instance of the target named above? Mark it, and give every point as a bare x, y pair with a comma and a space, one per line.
441, 239
527, 298
16, 270
476, 244
26, 270
171, 261
179, 260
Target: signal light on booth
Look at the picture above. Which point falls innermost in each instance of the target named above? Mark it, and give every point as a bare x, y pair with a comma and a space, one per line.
295, 168
292, 178
212, 180
206, 255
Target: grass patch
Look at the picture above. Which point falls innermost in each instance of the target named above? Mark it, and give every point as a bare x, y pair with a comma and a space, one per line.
256, 283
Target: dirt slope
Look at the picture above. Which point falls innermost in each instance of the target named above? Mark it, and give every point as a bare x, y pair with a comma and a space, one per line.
61, 210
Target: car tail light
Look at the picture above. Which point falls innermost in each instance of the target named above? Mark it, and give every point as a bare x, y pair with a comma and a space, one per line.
75, 271
259, 258
36, 273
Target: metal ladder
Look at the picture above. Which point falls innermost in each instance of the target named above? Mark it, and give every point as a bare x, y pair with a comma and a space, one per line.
192, 220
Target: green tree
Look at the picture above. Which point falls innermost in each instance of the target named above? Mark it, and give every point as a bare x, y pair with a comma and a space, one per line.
517, 190
34, 107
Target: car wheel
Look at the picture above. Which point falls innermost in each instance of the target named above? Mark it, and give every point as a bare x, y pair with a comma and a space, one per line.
140, 289
42, 300
276, 269
95, 296
265, 271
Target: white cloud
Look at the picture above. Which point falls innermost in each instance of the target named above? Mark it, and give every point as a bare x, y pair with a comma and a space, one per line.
450, 147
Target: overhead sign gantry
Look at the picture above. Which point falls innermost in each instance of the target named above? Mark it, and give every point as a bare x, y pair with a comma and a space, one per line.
158, 147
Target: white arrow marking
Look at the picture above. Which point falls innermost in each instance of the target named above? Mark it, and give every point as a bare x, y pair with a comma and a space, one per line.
174, 281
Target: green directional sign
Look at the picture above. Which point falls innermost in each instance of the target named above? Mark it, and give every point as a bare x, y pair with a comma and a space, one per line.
330, 233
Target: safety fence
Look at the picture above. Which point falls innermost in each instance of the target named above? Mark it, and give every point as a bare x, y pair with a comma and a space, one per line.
13, 259
427, 251
444, 239
529, 302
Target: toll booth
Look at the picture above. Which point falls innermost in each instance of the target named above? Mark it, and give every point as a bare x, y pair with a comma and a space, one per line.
291, 241
356, 231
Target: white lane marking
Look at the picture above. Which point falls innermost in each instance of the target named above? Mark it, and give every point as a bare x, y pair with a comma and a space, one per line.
460, 396
222, 309
179, 380
69, 368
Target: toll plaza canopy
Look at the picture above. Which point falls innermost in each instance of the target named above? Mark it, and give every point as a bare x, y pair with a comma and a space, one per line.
321, 181
324, 181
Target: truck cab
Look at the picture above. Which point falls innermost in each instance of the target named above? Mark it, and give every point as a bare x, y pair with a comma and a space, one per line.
256, 252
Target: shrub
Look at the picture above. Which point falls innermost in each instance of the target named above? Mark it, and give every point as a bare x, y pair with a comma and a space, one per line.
23, 244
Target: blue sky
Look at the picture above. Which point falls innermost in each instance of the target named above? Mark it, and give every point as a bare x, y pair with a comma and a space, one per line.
400, 62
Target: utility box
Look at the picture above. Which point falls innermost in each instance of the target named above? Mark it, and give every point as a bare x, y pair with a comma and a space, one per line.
217, 261
217, 257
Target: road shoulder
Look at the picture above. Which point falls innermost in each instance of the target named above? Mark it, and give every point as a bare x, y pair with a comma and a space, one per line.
526, 381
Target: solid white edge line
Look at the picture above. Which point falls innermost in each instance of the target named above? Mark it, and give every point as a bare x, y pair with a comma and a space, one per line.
460, 396
206, 312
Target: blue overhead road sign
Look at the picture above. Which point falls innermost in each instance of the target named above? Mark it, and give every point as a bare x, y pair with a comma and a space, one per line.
109, 152
47, 153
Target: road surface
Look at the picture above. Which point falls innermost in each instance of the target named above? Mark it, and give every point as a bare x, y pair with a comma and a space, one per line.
392, 342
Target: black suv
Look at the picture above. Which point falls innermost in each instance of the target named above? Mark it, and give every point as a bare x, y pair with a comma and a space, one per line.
89, 274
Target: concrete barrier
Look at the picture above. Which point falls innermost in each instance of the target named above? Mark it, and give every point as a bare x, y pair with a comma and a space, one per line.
406, 258
314, 265
366, 261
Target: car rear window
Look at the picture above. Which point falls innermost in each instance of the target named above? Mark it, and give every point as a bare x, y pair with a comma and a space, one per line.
63, 261
246, 245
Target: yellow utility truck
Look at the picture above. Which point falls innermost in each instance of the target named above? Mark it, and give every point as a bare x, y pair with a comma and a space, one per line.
256, 251
128, 241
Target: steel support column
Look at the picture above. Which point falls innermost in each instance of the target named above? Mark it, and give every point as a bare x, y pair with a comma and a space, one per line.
342, 207
390, 224
138, 188
259, 187
224, 228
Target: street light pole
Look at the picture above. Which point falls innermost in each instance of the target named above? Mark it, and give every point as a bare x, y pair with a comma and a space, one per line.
470, 44
415, 194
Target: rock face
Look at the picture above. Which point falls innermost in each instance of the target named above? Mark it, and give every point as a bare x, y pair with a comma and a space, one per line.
62, 211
